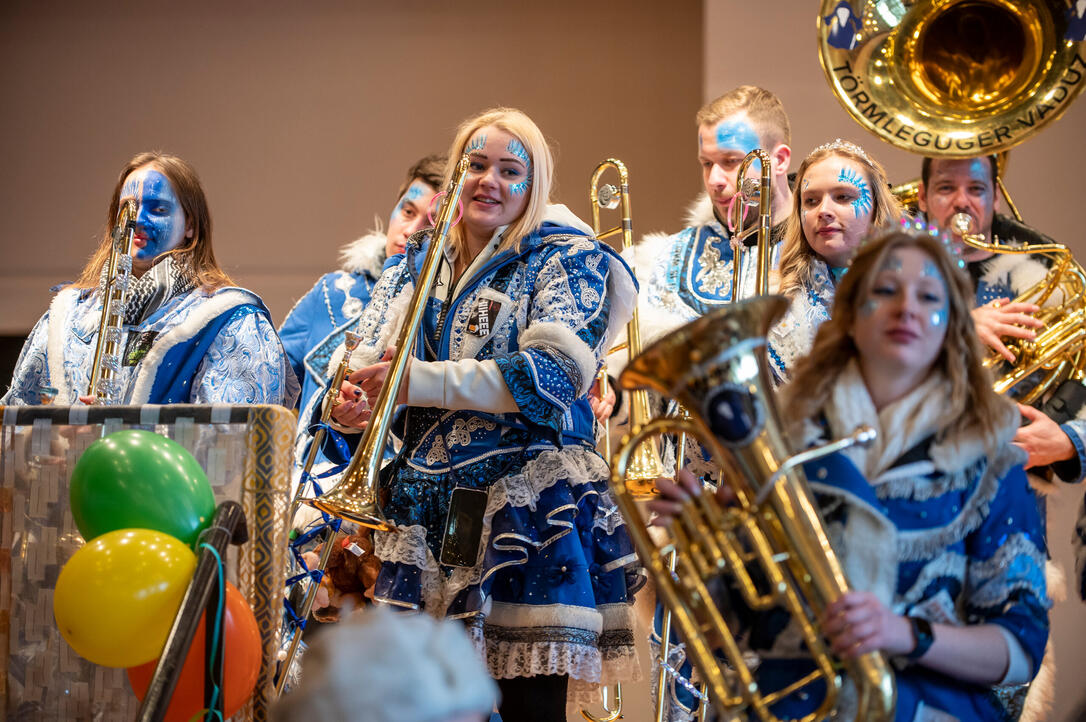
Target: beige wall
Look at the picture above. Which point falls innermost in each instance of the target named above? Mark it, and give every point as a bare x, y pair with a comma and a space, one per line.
1044, 177
302, 117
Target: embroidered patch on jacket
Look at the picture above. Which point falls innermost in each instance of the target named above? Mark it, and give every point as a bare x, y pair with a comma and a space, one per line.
137, 347
482, 315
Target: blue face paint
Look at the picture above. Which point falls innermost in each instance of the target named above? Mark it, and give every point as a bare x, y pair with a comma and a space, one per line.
477, 143
862, 204
868, 307
930, 269
160, 223
939, 318
737, 135
517, 149
892, 263
414, 191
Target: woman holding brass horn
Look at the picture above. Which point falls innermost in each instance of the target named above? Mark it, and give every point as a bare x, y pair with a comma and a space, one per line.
181, 332
500, 501
935, 524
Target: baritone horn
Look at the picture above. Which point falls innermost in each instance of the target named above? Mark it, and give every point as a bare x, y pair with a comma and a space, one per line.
1061, 294
716, 368
646, 465
355, 496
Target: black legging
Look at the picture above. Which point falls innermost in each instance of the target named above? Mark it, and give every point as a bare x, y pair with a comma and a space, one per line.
533, 699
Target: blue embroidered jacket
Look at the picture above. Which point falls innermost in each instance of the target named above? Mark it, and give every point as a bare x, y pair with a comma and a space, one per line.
217, 348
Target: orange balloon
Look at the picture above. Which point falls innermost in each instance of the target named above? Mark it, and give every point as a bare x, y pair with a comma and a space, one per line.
241, 663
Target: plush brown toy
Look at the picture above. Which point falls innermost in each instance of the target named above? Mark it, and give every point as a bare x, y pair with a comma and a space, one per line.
350, 575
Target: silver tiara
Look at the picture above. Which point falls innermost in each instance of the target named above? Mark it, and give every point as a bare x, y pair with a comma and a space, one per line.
838, 144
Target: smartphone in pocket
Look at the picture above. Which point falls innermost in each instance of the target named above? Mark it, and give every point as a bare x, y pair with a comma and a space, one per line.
463, 527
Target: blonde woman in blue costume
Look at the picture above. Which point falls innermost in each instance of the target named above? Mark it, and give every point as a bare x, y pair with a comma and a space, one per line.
513, 334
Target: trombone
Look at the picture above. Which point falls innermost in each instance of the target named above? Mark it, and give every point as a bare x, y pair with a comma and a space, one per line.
750, 189
646, 466
355, 497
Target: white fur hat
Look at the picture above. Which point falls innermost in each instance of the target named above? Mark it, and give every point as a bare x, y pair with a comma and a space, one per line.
385, 666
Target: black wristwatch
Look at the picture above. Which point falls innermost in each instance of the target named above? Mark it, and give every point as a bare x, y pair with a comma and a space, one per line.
924, 637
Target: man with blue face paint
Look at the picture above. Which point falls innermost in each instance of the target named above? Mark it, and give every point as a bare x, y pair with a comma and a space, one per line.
318, 323
186, 336
949, 186
687, 274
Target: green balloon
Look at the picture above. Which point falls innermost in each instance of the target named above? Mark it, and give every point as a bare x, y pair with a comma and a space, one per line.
137, 479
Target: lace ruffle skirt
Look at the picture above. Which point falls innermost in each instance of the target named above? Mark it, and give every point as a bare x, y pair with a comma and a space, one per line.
553, 584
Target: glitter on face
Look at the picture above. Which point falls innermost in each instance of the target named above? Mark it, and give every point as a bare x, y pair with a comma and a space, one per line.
477, 143
862, 204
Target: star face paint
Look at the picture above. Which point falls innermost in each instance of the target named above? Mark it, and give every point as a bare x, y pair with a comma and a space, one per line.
517, 149
862, 204
477, 143
160, 223
495, 190
828, 217
902, 322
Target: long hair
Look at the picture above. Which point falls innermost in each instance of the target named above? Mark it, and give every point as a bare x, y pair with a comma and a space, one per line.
196, 256
519, 125
797, 256
972, 403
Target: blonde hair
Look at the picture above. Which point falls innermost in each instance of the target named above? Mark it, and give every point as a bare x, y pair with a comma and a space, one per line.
972, 403
519, 125
196, 256
798, 258
763, 108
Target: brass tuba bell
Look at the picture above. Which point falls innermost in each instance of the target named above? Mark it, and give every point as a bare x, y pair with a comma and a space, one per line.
952, 78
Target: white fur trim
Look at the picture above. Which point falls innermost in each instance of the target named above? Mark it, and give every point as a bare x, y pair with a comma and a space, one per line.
563, 216
367, 353
220, 302
567, 342
503, 614
365, 255
59, 309
700, 211
623, 294
1022, 272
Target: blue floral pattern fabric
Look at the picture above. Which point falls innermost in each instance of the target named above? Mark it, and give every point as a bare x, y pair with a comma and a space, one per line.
198, 347
551, 589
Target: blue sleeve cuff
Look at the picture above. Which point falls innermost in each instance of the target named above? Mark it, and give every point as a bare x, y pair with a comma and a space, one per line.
1071, 470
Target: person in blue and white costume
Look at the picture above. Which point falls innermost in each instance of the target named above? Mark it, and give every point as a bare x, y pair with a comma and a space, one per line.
949, 186
687, 274
841, 195
189, 335
935, 524
316, 325
513, 334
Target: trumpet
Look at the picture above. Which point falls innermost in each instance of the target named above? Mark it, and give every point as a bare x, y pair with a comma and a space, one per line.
1059, 348
716, 368
103, 384
355, 496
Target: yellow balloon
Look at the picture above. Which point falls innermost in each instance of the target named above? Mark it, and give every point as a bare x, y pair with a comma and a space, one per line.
116, 598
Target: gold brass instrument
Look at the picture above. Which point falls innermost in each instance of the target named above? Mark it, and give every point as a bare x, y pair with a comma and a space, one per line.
350, 343
355, 496
951, 78
964, 78
716, 368
646, 466
103, 385
1058, 349
749, 189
